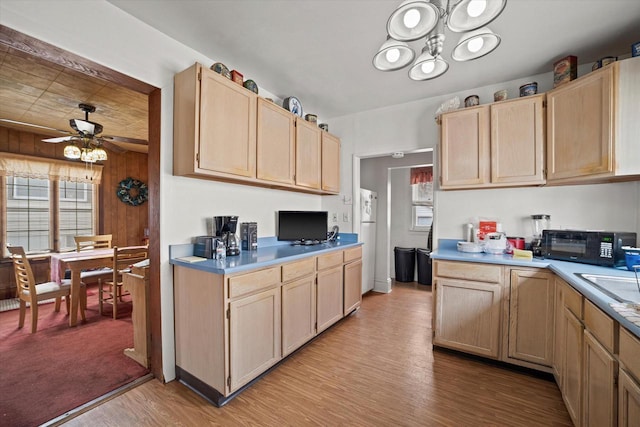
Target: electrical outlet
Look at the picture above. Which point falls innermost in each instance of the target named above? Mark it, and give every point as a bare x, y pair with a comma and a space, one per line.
345, 217
347, 200
334, 217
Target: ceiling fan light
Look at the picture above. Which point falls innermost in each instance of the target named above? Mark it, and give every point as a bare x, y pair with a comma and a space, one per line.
100, 154
475, 44
393, 55
71, 151
428, 67
412, 20
88, 156
468, 15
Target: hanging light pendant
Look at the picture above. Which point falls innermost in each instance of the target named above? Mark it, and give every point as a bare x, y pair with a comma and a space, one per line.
393, 55
100, 154
412, 20
475, 44
72, 151
468, 15
427, 66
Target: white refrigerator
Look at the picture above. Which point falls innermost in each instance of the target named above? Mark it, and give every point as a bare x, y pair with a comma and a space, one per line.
368, 206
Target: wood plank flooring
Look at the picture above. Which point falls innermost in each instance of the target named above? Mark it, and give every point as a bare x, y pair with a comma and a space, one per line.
375, 368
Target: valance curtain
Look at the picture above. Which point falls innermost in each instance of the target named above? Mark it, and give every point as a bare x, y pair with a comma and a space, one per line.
42, 168
420, 175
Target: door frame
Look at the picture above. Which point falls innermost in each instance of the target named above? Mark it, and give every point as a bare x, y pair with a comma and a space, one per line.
48, 52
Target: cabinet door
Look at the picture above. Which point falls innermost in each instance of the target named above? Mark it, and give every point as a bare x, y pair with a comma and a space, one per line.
629, 401
330, 163
468, 316
600, 395
531, 305
464, 148
352, 286
580, 127
329, 297
559, 333
517, 141
254, 336
572, 369
275, 143
308, 161
298, 313
227, 126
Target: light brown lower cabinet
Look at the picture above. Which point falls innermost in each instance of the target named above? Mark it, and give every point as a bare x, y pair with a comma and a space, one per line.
628, 401
298, 313
254, 336
572, 379
559, 333
600, 395
229, 329
531, 316
352, 279
468, 316
329, 297
629, 380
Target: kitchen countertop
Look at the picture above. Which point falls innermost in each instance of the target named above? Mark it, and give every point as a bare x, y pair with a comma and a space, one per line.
270, 252
447, 250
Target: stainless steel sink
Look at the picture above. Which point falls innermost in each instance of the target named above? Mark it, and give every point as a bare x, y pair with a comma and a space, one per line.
622, 289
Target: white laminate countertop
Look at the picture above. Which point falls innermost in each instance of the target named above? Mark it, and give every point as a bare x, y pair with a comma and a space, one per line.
568, 271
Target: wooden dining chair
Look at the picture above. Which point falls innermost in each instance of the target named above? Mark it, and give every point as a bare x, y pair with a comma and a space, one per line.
100, 241
85, 243
110, 291
30, 292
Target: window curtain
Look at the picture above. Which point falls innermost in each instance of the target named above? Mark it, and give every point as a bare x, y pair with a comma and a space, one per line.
421, 175
53, 169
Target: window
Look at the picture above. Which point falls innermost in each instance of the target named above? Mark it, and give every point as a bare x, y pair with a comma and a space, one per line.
28, 213
47, 202
422, 217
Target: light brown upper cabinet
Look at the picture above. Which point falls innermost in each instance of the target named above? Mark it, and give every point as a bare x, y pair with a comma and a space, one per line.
496, 145
593, 126
308, 160
214, 126
330, 163
276, 143
224, 132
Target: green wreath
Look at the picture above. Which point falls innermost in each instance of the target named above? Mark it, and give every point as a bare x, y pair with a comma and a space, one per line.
132, 191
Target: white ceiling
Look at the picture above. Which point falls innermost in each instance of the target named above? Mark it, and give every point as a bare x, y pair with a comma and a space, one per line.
321, 50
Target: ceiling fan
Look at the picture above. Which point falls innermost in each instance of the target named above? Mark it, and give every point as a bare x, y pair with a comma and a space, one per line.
89, 140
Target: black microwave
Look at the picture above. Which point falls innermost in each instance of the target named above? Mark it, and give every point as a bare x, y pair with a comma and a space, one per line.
589, 247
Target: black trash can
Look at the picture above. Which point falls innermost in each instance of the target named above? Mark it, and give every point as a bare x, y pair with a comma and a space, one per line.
424, 266
405, 263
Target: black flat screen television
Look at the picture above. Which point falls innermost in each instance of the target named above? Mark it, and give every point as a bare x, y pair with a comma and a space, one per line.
302, 227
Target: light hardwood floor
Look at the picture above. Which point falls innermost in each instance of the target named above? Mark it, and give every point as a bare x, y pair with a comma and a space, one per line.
375, 368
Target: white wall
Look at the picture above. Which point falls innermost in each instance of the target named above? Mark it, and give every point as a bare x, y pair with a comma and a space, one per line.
123, 43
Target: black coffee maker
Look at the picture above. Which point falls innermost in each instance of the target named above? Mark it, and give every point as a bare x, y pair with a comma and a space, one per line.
226, 229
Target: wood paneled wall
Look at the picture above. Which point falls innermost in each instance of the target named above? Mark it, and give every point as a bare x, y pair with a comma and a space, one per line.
126, 223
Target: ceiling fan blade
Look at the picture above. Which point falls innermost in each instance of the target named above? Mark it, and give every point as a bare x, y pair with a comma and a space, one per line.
47, 129
125, 139
112, 147
59, 139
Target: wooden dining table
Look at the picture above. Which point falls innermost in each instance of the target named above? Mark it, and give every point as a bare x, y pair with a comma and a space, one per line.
78, 262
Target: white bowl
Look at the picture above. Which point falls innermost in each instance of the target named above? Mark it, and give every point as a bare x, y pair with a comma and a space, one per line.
469, 247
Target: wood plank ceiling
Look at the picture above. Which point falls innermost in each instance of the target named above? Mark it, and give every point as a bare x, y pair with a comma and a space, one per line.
42, 93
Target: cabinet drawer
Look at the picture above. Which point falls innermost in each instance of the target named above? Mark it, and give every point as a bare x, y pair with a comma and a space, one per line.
297, 269
601, 326
573, 301
630, 352
352, 254
252, 282
329, 260
469, 271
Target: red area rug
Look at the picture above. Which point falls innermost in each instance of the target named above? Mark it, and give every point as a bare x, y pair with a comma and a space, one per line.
46, 374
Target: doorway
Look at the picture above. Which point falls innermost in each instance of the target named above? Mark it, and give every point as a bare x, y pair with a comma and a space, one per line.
376, 173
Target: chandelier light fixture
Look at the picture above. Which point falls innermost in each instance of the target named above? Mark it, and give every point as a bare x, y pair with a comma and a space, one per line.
90, 150
417, 19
